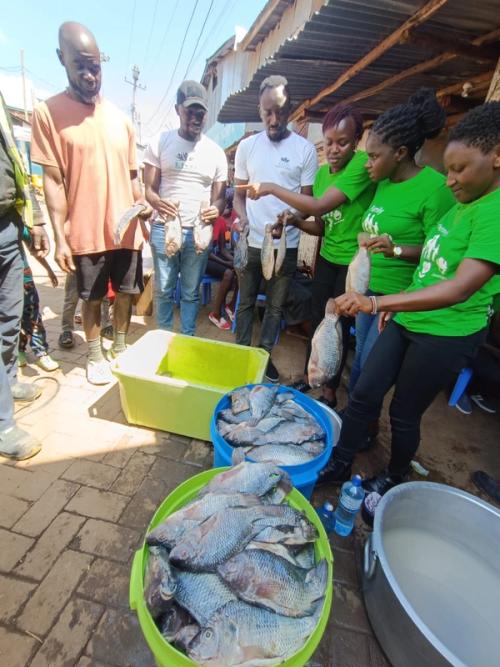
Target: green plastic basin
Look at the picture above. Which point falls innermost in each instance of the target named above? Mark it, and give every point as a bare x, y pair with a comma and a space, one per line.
165, 654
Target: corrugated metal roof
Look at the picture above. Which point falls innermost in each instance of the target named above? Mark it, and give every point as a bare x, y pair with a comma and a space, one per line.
341, 32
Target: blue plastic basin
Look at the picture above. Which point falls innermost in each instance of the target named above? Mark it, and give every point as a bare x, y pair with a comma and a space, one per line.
303, 476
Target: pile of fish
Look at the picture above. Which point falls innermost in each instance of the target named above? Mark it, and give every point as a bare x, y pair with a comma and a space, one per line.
271, 427
231, 578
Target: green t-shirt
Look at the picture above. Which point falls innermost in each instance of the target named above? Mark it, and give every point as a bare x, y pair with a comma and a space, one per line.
406, 211
466, 231
343, 224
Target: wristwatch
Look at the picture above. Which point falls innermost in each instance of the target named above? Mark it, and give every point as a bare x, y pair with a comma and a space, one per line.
397, 251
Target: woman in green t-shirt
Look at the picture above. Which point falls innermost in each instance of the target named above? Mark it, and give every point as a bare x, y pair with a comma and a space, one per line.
342, 192
442, 317
409, 200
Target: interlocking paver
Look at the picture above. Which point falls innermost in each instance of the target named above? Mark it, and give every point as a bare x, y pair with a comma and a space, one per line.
145, 503
13, 548
121, 453
69, 636
134, 472
23, 484
348, 611
98, 504
128, 647
106, 540
15, 649
91, 473
53, 593
48, 547
13, 594
12, 509
107, 582
377, 657
45, 510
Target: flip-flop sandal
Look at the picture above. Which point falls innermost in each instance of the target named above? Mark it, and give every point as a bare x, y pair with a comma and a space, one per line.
301, 386
329, 404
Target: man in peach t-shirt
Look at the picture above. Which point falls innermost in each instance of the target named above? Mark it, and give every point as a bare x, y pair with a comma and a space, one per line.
86, 147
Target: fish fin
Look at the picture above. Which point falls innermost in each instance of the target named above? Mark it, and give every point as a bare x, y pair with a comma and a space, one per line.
237, 457
318, 578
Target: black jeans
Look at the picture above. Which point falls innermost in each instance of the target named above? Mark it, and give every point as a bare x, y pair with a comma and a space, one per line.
420, 366
329, 281
276, 293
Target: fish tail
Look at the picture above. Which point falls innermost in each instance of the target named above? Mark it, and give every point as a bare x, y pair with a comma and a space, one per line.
317, 578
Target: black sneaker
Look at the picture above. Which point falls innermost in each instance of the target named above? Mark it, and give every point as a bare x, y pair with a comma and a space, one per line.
302, 386
66, 339
382, 482
272, 374
336, 472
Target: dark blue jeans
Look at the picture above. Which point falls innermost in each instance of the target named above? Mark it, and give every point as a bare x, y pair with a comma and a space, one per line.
366, 335
11, 308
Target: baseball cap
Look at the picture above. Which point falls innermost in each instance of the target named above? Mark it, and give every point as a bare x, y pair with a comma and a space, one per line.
192, 92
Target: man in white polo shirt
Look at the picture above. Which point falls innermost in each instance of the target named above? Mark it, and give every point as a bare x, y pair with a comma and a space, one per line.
280, 156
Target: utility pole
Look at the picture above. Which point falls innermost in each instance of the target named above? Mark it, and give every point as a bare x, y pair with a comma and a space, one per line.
135, 85
23, 77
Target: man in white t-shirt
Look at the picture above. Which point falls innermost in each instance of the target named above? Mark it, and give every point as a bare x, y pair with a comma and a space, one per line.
185, 177
280, 156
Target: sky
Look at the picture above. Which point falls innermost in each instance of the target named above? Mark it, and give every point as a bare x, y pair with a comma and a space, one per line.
146, 33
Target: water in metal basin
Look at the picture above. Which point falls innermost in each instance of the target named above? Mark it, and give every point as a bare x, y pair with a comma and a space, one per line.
453, 591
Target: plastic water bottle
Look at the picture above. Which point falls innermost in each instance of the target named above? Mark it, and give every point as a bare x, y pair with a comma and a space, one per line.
327, 516
351, 498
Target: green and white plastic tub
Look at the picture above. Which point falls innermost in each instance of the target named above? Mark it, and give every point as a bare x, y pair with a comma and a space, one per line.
165, 654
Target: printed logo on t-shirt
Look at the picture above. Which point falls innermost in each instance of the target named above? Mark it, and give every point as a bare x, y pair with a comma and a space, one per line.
181, 159
430, 255
284, 163
370, 225
333, 218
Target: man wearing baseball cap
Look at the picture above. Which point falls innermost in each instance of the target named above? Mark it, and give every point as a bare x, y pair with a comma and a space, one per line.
185, 177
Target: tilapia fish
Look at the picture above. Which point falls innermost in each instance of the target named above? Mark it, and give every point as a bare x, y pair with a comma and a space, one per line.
129, 215
201, 594
173, 621
202, 232
218, 538
265, 579
240, 400
280, 255
326, 351
294, 433
284, 455
173, 236
358, 273
267, 253
174, 526
159, 582
241, 635
255, 478
240, 259
261, 400
229, 417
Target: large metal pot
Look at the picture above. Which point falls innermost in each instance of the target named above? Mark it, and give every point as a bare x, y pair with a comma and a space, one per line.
431, 578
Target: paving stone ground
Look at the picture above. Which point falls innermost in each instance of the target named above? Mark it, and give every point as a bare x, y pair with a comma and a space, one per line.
72, 517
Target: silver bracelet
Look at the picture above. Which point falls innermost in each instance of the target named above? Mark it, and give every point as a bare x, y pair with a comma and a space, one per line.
373, 299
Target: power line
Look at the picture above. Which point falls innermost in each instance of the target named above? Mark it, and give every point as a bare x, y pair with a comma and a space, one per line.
191, 59
166, 32
148, 43
132, 24
176, 64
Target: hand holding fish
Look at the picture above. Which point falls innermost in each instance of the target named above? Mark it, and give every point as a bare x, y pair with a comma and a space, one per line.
167, 208
381, 244
209, 214
256, 190
147, 210
383, 320
352, 303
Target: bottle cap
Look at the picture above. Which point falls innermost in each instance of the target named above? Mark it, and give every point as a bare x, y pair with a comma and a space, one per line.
328, 506
356, 480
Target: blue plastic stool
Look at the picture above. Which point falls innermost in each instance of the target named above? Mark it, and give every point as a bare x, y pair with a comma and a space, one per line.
460, 386
206, 289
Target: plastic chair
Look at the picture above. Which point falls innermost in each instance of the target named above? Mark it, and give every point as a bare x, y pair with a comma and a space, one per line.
460, 386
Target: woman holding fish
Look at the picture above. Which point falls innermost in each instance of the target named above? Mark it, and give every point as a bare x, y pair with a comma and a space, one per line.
342, 191
442, 316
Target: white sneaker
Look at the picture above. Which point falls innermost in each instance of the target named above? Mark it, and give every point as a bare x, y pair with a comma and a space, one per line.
47, 363
98, 372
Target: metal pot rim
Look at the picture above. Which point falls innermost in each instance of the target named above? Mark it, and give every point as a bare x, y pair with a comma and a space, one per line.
379, 552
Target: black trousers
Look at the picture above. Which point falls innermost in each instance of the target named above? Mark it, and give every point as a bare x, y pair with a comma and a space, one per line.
420, 366
329, 282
